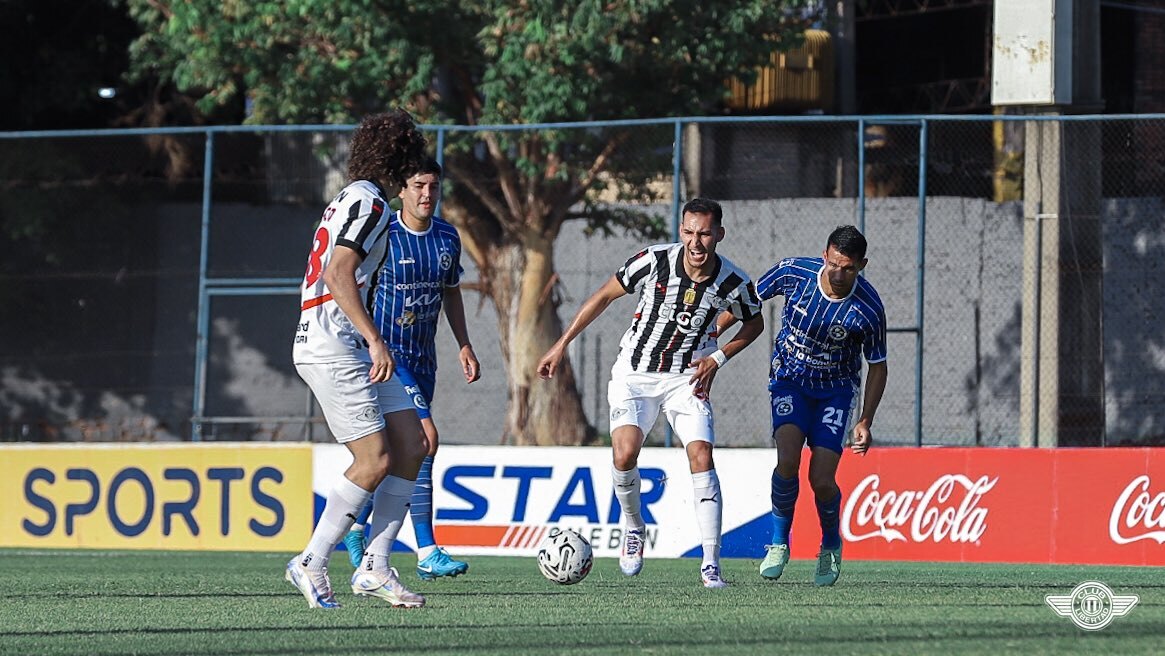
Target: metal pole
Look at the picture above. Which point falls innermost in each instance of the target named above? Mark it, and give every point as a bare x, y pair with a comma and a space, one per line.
918, 301
677, 191
203, 324
862, 175
441, 146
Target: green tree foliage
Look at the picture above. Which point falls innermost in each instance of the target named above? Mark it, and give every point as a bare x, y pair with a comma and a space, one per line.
489, 63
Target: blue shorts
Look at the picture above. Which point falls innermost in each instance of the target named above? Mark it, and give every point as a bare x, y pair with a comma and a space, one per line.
825, 416
419, 387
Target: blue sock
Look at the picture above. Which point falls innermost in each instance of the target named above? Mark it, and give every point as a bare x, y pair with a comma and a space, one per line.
829, 513
784, 502
421, 510
362, 519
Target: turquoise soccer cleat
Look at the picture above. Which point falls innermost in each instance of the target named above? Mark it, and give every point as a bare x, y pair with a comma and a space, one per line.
775, 560
354, 542
828, 567
440, 563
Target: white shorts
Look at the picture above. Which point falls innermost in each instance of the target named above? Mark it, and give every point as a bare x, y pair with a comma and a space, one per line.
636, 399
353, 406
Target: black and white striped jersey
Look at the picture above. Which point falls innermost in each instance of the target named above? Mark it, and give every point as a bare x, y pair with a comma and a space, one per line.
676, 317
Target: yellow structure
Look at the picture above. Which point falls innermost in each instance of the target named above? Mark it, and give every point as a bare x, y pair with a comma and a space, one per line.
796, 80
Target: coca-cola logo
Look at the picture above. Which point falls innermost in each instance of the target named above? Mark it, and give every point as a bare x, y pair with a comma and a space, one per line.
1137, 515
935, 514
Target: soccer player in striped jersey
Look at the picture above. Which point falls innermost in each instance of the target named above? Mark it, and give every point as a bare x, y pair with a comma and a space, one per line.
419, 278
340, 354
667, 361
832, 317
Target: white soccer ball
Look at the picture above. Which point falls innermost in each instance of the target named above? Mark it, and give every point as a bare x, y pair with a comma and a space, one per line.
565, 557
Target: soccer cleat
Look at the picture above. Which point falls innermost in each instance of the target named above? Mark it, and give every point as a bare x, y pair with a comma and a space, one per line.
631, 560
386, 586
312, 584
710, 574
354, 542
775, 560
828, 567
440, 563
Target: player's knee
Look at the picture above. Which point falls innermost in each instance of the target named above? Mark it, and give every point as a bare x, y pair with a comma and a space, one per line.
700, 457
372, 467
824, 487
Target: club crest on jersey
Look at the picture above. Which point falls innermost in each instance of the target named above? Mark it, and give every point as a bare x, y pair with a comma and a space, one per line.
837, 332
369, 413
689, 297
783, 405
446, 260
406, 319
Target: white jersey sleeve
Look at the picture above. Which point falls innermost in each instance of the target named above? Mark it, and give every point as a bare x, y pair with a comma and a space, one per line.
357, 218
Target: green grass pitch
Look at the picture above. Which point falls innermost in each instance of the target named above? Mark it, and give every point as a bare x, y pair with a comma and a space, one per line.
96, 602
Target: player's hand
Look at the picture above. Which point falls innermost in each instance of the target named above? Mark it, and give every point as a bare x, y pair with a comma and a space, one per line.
549, 362
469, 364
701, 381
861, 438
382, 362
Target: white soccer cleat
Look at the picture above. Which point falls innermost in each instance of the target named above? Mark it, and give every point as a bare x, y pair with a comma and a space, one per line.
314, 585
710, 574
386, 586
828, 567
631, 560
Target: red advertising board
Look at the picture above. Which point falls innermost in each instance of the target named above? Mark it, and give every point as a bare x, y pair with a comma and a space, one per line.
1085, 506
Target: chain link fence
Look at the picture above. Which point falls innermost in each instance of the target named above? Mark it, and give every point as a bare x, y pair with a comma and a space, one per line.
1018, 258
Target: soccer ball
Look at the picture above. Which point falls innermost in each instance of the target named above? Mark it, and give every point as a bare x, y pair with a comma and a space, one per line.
565, 557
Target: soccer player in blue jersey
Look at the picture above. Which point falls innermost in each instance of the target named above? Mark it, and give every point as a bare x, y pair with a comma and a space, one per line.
832, 317
419, 278
667, 361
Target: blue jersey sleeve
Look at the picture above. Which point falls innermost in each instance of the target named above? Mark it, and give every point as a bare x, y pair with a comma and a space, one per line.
774, 281
874, 345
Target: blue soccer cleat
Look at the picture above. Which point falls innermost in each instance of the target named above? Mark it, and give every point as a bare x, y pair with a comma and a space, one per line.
439, 563
354, 543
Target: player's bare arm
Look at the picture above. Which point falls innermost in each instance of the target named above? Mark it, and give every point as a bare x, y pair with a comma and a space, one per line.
590, 310
707, 367
875, 386
455, 315
340, 277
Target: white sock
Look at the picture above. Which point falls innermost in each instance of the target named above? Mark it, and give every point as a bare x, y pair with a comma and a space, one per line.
709, 513
627, 485
425, 552
389, 506
344, 503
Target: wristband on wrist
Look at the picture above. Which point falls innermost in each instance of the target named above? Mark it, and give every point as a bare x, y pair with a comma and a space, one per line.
719, 357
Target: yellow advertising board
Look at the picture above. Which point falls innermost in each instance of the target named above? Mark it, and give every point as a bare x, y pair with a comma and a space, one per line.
237, 497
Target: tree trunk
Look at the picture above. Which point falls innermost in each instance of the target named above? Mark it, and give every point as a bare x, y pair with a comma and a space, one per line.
521, 285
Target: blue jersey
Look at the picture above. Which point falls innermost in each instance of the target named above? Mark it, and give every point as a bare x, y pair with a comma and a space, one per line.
411, 286
822, 339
